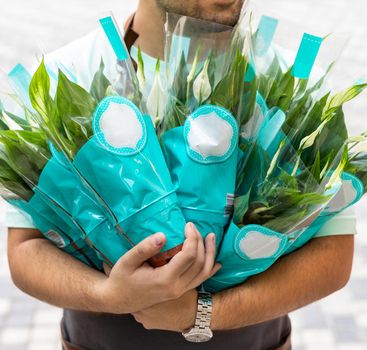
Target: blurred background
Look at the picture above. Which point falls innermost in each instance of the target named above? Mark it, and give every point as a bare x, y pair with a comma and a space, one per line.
337, 323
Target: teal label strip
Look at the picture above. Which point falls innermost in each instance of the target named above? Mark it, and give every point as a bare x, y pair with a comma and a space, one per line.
251, 72
53, 71
306, 56
114, 37
21, 80
265, 34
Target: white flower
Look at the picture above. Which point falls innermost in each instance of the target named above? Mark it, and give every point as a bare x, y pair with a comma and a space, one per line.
157, 99
202, 88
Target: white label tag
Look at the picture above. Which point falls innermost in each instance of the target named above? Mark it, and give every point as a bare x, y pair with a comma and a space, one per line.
56, 238
229, 205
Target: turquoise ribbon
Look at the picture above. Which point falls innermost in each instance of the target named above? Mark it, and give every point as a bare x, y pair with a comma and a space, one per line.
21, 80
112, 32
205, 184
306, 56
265, 34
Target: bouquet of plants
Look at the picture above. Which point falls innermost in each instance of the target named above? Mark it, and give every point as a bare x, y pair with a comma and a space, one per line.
95, 157
294, 176
234, 136
25, 150
209, 96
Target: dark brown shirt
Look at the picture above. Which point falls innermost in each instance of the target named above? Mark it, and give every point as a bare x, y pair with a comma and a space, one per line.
89, 331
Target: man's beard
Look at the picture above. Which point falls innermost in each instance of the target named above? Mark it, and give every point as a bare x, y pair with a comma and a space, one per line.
193, 8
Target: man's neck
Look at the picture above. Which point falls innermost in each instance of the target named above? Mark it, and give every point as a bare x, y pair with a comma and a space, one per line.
149, 24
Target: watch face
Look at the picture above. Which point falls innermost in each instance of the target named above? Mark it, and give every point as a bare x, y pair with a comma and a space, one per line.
199, 336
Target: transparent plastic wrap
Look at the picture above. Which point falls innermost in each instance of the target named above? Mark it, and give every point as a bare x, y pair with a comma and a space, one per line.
106, 141
282, 206
316, 176
209, 79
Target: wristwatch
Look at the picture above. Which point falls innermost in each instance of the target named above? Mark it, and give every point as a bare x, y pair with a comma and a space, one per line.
201, 331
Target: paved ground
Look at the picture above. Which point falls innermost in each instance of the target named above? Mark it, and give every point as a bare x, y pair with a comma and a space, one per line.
338, 322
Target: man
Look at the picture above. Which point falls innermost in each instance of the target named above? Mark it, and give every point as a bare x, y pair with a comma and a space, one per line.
138, 307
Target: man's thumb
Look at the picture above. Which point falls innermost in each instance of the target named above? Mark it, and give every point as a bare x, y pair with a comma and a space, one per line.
143, 251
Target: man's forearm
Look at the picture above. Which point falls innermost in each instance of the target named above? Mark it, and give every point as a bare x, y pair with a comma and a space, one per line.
43, 271
310, 274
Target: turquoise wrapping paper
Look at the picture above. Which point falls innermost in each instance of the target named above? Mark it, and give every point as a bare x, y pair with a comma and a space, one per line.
205, 184
132, 179
64, 234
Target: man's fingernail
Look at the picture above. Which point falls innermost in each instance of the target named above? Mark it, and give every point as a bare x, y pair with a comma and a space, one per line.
158, 239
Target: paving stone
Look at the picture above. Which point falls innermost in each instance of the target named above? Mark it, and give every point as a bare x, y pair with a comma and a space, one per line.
21, 319
5, 306
11, 336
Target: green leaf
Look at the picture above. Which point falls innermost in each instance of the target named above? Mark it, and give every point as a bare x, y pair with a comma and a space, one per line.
241, 205
3, 125
21, 122
316, 168
357, 165
281, 94
73, 104
14, 185
26, 152
141, 70
100, 84
341, 98
73, 100
336, 176
229, 90
39, 94
275, 159
309, 140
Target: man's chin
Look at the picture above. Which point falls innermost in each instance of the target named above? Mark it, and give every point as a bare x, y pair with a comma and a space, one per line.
225, 16
225, 12
225, 19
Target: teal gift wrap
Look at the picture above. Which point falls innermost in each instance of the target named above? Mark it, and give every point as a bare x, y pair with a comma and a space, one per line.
202, 158
63, 233
124, 164
71, 200
252, 249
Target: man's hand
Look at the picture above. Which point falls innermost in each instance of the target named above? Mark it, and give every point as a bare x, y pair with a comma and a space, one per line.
175, 315
133, 284
47, 273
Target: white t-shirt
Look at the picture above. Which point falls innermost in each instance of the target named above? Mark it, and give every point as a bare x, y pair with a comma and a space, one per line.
77, 58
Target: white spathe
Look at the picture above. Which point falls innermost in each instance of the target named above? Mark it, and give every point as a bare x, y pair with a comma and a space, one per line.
210, 135
157, 99
257, 245
343, 198
120, 126
202, 88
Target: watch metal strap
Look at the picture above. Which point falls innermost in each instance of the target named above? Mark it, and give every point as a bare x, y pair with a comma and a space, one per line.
204, 312
201, 331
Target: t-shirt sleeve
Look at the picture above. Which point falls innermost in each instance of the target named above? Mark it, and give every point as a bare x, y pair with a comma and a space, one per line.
15, 218
342, 224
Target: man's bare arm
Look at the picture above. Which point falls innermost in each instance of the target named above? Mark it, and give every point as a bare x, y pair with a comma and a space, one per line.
45, 272
309, 274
